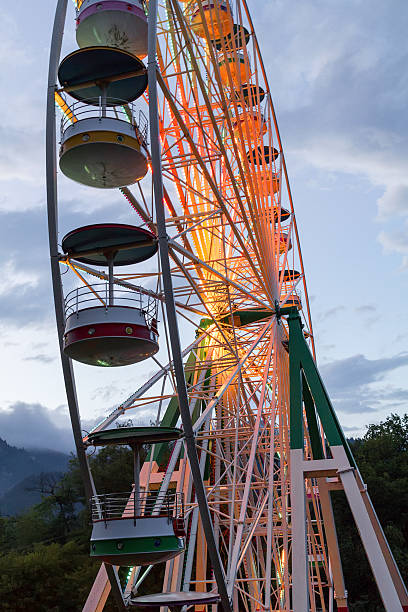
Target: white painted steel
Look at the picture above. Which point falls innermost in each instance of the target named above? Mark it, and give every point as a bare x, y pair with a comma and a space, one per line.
300, 590
367, 533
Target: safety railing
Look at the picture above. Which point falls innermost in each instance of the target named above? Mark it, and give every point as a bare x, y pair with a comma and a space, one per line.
112, 108
290, 296
90, 296
115, 506
79, 3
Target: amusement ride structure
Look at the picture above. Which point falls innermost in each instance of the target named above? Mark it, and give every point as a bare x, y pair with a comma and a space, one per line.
232, 478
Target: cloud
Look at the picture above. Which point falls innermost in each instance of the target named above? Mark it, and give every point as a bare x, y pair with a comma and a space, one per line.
342, 104
16, 279
393, 202
330, 313
394, 241
366, 308
348, 429
357, 370
34, 426
349, 383
40, 357
26, 293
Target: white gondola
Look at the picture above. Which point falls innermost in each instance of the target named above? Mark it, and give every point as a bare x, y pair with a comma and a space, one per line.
113, 23
102, 151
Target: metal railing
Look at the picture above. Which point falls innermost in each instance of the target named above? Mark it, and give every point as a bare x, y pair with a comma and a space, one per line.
90, 296
97, 108
114, 506
288, 293
79, 3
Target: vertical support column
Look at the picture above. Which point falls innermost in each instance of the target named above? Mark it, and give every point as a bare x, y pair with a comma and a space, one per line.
332, 545
367, 533
300, 590
110, 281
136, 476
171, 312
103, 99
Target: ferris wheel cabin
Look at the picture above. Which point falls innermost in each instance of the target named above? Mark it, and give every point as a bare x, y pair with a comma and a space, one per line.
137, 528
101, 142
174, 601
281, 214
217, 17
234, 40
289, 296
252, 94
234, 65
262, 155
249, 126
273, 184
283, 242
106, 324
113, 23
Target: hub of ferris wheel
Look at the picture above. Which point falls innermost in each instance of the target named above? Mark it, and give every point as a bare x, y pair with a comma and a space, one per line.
233, 495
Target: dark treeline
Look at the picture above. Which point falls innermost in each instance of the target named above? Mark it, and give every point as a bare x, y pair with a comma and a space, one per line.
44, 560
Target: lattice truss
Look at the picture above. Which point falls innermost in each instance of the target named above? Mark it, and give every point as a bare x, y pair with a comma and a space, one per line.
231, 240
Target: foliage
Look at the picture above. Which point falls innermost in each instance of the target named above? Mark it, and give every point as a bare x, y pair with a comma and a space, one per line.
45, 551
54, 577
382, 458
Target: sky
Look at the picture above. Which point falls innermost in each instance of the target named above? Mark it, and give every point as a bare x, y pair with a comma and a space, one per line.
338, 76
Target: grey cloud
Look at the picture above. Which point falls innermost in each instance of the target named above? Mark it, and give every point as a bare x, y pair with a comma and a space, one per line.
24, 256
111, 392
394, 241
330, 313
393, 202
366, 308
14, 166
34, 426
342, 105
41, 357
357, 370
348, 429
349, 383
392, 394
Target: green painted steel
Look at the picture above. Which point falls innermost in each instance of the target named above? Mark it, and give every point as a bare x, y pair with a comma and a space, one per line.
295, 382
127, 546
135, 435
172, 414
303, 372
313, 428
240, 318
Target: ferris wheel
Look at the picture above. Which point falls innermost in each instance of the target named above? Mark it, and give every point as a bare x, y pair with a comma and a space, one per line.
239, 513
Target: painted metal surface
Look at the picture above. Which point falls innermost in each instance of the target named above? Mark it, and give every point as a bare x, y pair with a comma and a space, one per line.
260, 530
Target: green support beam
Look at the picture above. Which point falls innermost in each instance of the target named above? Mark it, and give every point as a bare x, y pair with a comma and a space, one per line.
172, 414
307, 389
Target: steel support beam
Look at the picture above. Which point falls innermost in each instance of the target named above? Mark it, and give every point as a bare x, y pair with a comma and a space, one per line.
171, 311
52, 211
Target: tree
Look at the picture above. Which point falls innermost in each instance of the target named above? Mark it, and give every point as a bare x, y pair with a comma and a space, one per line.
50, 578
382, 458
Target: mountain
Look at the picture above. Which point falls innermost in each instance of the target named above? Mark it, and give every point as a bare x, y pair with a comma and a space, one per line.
25, 493
18, 467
